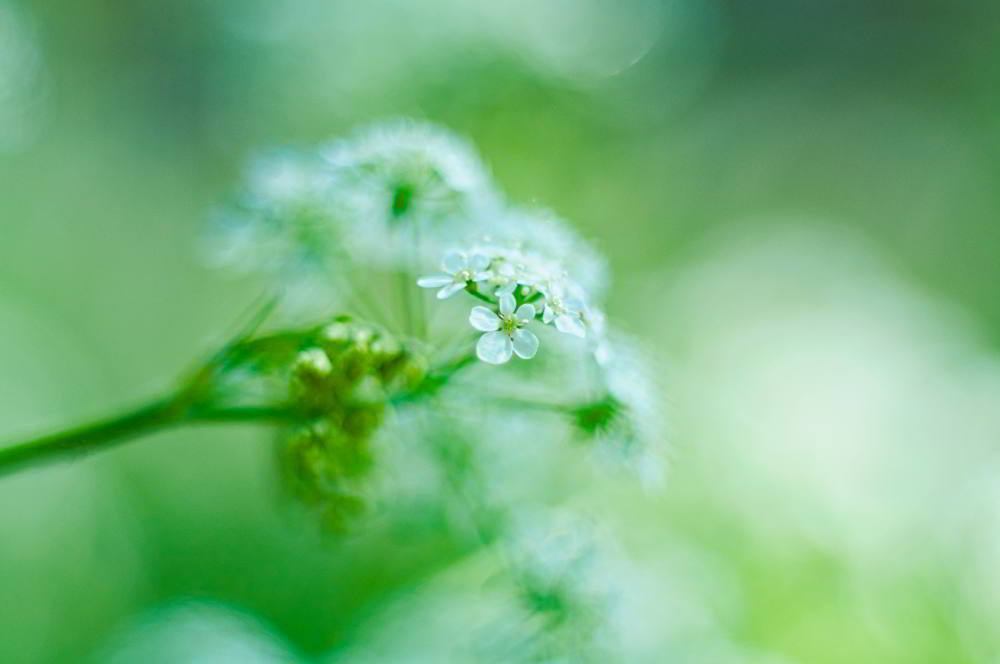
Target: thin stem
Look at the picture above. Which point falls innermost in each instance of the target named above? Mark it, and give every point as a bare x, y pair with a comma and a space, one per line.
234, 414
404, 286
473, 290
119, 429
88, 438
435, 379
531, 404
180, 408
420, 309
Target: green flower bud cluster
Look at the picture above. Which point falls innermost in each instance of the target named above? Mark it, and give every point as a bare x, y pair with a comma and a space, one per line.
340, 383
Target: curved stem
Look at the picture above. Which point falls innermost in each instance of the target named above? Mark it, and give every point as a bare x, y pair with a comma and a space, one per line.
472, 289
177, 409
118, 429
91, 437
236, 414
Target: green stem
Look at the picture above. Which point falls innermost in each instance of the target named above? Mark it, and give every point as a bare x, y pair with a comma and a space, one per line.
473, 290
405, 288
130, 425
532, 404
235, 414
435, 379
180, 408
99, 435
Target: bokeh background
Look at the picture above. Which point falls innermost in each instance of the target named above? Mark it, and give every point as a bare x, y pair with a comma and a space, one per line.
799, 200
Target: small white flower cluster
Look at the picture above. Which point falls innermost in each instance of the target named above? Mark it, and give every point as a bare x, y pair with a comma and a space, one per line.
336, 225
397, 195
522, 287
405, 183
381, 197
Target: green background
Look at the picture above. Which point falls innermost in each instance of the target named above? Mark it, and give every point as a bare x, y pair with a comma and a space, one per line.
799, 203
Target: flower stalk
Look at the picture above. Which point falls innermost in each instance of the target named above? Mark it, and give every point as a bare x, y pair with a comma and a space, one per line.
93, 437
195, 402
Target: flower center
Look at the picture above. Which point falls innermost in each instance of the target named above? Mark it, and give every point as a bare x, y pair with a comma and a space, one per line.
509, 324
402, 198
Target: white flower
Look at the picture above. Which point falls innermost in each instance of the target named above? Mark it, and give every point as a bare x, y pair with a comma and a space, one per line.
564, 308
509, 268
552, 248
505, 333
459, 271
402, 186
502, 277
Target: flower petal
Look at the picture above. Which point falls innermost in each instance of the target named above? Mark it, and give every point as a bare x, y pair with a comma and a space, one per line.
507, 304
453, 262
507, 270
494, 348
526, 312
483, 319
450, 290
479, 262
507, 288
434, 281
548, 314
525, 344
571, 325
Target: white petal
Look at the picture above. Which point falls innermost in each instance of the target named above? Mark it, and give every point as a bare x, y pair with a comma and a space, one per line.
507, 289
525, 344
480, 276
450, 290
595, 320
453, 262
548, 314
507, 304
571, 325
434, 281
483, 319
526, 312
479, 262
506, 270
494, 348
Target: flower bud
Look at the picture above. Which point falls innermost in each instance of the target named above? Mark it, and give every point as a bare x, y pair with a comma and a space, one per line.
324, 466
337, 333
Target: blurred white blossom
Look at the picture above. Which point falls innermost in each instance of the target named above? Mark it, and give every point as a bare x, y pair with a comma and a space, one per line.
405, 184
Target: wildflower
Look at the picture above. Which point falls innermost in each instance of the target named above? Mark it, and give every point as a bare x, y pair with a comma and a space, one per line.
552, 248
510, 267
459, 270
505, 333
564, 308
403, 183
566, 580
503, 277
